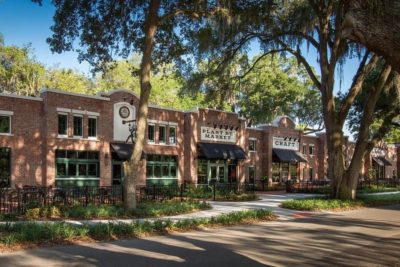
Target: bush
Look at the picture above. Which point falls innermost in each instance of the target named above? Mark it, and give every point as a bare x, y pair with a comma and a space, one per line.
57, 232
168, 208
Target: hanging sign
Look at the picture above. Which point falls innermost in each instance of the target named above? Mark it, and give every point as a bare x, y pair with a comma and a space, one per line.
290, 143
218, 135
378, 152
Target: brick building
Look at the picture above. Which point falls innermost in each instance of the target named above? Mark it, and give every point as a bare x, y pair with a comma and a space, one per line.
62, 138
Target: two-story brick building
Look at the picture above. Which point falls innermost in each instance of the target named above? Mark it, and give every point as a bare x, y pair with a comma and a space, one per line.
62, 138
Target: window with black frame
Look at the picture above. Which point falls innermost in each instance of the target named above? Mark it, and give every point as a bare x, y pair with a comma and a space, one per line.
63, 124
5, 166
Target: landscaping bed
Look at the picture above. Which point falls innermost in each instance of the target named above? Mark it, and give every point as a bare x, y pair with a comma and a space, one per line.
29, 234
221, 194
326, 204
143, 210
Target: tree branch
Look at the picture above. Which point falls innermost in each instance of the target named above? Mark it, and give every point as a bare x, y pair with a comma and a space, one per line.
356, 86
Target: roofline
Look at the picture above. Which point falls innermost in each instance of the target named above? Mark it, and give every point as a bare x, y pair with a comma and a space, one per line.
165, 108
73, 94
102, 94
22, 97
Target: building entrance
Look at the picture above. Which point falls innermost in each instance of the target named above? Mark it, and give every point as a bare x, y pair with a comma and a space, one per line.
216, 171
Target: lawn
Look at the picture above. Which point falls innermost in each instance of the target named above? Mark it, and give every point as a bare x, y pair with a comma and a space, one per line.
326, 204
143, 210
28, 234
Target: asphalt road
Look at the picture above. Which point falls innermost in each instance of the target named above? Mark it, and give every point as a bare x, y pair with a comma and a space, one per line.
366, 237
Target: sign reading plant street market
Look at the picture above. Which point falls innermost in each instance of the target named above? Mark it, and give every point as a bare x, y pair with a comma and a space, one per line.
218, 135
290, 143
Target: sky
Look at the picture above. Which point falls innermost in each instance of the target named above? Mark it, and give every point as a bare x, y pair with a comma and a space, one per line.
23, 22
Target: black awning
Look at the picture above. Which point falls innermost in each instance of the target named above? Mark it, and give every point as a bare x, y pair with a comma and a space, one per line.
221, 151
286, 155
381, 161
124, 151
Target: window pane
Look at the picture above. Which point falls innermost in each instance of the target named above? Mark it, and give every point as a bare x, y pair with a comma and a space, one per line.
173, 171
82, 170
157, 171
165, 171
5, 167
72, 169
161, 134
149, 170
77, 126
150, 133
60, 154
92, 131
71, 154
172, 135
252, 145
4, 124
82, 154
62, 124
61, 169
92, 169
93, 155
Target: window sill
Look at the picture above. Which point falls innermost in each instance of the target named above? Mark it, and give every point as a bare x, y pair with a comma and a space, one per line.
78, 138
162, 144
6, 134
78, 178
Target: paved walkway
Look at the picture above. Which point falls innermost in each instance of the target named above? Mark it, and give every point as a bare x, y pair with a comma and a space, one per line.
270, 201
365, 237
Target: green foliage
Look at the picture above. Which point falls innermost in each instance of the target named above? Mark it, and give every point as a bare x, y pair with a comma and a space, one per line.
167, 208
19, 72
377, 189
67, 80
319, 204
56, 232
221, 194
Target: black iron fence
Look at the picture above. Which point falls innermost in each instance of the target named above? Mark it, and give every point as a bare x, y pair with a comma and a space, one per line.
17, 201
320, 187
392, 182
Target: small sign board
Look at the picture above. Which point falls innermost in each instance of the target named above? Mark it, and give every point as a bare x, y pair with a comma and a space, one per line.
218, 135
290, 143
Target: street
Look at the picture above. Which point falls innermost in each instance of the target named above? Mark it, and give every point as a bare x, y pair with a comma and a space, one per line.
365, 237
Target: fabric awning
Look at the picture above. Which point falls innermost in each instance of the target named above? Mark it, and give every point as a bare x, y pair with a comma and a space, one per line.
124, 151
286, 155
381, 161
221, 151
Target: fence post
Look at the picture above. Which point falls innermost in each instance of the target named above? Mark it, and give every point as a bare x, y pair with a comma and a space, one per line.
19, 200
86, 195
214, 191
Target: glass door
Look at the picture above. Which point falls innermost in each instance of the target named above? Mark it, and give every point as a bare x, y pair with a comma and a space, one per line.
217, 172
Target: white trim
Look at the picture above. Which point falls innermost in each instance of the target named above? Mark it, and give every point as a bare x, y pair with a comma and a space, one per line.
67, 110
78, 111
93, 114
252, 138
10, 125
6, 112
22, 97
172, 123
73, 94
78, 178
78, 138
6, 134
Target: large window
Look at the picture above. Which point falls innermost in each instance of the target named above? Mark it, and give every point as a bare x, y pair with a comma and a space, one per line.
63, 124
172, 135
92, 127
202, 171
305, 149
161, 134
311, 149
5, 124
5, 166
78, 126
252, 145
77, 167
150, 133
162, 169
252, 175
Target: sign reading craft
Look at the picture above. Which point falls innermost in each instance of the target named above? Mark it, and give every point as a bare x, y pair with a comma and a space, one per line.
218, 135
290, 143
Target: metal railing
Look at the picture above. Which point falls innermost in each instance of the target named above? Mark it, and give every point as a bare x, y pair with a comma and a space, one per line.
307, 186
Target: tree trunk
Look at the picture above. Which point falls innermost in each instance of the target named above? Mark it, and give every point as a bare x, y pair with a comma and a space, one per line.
132, 166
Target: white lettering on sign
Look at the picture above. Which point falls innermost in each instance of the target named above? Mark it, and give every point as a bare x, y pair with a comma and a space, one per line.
217, 135
290, 143
378, 152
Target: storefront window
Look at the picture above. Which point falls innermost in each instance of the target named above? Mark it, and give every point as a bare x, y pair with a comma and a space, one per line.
5, 166
293, 171
285, 171
161, 169
76, 168
275, 172
202, 171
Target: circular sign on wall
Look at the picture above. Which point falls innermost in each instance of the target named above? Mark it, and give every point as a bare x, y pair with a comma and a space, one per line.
124, 112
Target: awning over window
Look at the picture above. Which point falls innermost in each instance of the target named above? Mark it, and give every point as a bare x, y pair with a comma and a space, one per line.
286, 155
124, 151
221, 151
381, 161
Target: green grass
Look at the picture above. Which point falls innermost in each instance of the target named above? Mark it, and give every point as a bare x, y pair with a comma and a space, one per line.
375, 189
33, 233
321, 204
143, 210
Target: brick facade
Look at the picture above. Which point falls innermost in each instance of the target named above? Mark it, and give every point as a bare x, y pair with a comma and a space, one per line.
34, 139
